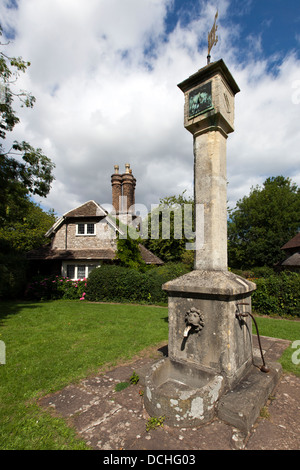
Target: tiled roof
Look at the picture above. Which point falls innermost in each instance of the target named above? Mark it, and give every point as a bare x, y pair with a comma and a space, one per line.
89, 209
292, 243
46, 253
293, 260
149, 257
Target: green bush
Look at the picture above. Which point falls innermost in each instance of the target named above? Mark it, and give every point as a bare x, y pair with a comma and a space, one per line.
129, 255
260, 271
278, 294
115, 283
159, 275
119, 284
56, 287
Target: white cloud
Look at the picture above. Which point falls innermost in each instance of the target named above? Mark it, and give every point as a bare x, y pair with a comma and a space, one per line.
266, 141
105, 77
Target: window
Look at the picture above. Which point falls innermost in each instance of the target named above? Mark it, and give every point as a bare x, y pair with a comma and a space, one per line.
71, 271
77, 271
81, 272
85, 229
80, 229
90, 229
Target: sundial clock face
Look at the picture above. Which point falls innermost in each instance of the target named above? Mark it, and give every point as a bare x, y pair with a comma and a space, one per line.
227, 103
200, 100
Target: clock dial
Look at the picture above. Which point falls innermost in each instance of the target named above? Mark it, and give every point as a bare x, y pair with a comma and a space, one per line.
200, 100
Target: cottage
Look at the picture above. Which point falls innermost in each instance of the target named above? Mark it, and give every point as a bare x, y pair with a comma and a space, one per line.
292, 251
86, 237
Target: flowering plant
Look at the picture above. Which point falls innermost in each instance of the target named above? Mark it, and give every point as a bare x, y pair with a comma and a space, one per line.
57, 287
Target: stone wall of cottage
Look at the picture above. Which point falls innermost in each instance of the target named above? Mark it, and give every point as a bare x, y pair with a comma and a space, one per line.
66, 237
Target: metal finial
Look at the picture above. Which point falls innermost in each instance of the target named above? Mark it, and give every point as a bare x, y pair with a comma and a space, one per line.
212, 37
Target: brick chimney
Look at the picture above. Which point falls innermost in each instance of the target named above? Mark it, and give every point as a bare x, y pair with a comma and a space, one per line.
123, 185
127, 188
116, 182
133, 190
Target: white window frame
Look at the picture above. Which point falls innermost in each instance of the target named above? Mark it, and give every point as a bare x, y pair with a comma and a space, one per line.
85, 225
88, 268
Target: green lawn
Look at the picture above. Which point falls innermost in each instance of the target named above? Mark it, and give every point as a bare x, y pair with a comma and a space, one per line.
284, 329
50, 344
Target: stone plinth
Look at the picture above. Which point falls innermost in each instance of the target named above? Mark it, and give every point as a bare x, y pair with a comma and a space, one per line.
209, 352
223, 345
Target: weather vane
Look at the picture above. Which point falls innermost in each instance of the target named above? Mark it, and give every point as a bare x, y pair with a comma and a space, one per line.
212, 37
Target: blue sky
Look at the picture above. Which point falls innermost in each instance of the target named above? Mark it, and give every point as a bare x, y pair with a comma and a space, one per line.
105, 75
275, 22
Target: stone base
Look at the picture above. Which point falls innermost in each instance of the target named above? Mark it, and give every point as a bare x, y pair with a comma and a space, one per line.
209, 370
188, 396
223, 344
241, 406
185, 395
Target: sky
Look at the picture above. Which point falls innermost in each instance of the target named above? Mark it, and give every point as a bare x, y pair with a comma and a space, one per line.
105, 75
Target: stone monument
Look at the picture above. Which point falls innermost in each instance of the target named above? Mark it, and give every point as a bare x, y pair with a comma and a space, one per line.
210, 331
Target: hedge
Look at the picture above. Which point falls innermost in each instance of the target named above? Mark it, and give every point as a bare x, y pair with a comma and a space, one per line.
120, 284
278, 294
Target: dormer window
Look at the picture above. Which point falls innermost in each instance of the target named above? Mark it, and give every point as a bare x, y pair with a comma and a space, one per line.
85, 229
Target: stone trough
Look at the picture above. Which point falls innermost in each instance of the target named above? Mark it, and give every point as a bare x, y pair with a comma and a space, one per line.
186, 394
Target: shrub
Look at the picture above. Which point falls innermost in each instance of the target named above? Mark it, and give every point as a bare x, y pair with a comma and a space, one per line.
260, 271
116, 283
58, 287
129, 255
278, 294
159, 275
119, 284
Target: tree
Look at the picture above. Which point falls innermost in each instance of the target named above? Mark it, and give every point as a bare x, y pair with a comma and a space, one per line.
24, 170
168, 233
262, 222
128, 252
26, 229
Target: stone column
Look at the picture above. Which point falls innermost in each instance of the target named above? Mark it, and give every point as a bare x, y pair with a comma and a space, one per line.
222, 346
210, 191
209, 116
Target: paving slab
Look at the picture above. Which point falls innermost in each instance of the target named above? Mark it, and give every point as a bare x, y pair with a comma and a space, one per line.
111, 420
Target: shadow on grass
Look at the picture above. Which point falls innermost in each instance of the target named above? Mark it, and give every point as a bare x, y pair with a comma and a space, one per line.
11, 307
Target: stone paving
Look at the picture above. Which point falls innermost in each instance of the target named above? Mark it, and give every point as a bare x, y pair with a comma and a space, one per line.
116, 420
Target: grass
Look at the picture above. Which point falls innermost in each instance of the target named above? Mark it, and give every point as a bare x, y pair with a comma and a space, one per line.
51, 344
283, 329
